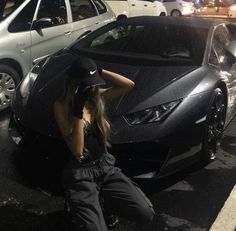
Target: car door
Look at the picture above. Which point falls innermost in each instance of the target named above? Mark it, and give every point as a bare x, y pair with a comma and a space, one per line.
149, 8
52, 38
105, 13
135, 8
18, 40
170, 5
85, 17
222, 57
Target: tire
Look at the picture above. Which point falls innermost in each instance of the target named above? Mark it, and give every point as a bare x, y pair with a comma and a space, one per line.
214, 126
9, 78
175, 13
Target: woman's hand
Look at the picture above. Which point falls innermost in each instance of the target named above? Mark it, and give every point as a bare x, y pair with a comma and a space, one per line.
80, 158
80, 97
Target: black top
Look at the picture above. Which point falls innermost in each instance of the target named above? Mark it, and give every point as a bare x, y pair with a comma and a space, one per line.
94, 146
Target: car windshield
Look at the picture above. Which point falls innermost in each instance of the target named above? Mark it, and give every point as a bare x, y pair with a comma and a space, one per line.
7, 7
163, 42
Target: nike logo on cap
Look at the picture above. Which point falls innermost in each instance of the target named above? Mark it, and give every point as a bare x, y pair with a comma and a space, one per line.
93, 72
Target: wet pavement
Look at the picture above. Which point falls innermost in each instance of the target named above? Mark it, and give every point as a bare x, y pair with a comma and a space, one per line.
31, 198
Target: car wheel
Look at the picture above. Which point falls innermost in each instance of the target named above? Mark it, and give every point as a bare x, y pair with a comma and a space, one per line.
9, 79
175, 13
214, 126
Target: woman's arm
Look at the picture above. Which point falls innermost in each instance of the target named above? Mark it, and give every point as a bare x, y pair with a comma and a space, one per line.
122, 83
73, 134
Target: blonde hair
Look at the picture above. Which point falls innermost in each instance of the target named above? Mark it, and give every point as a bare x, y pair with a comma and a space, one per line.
96, 105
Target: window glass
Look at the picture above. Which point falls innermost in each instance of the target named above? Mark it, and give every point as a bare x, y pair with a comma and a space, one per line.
169, 0
8, 6
220, 41
232, 30
82, 9
55, 10
23, 20
144, 40
100, 6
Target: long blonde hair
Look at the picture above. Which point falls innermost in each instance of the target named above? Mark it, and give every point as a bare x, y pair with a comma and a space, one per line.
96, 105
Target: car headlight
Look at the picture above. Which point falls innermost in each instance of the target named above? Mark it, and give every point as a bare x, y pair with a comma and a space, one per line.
27, 84
150, 115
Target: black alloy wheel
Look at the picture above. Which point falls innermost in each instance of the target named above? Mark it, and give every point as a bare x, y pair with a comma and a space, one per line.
214, 126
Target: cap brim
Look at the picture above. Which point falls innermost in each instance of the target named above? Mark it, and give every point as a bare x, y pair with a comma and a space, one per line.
94, 81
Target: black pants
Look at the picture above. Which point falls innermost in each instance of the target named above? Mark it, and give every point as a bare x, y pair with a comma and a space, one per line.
83, 185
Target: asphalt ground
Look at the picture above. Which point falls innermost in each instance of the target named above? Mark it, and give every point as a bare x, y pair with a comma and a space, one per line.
31, 198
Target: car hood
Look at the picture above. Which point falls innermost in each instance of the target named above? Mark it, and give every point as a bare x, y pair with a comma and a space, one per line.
148, 81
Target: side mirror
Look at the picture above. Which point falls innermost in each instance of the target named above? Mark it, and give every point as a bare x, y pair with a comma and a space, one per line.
42, 23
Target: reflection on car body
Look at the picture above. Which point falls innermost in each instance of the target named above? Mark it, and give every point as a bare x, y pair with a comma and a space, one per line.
184, 94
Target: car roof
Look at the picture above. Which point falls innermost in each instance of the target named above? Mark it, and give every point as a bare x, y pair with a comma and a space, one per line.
186, 21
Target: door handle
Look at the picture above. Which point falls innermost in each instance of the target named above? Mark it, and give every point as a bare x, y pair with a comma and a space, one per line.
68, 32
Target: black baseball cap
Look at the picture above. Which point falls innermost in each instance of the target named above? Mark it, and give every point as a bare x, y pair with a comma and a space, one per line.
84, 70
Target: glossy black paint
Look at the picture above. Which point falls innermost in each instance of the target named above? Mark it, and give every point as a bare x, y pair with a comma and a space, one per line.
162, 147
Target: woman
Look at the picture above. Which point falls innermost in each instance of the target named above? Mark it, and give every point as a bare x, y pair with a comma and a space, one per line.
80, 116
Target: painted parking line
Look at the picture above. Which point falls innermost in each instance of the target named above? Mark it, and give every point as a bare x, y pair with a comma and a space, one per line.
226, 219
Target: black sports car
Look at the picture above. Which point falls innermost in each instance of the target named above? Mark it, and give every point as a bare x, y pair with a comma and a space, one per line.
184, 71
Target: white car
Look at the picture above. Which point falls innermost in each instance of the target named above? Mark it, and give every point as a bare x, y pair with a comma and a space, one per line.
35, 28
178, 7
132, 8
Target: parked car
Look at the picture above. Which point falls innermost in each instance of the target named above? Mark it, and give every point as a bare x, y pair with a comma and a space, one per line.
131, 8
178, 7
232, 10
184, 94
34, 28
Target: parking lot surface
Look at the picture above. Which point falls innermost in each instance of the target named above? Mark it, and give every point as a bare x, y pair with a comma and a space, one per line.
31, 198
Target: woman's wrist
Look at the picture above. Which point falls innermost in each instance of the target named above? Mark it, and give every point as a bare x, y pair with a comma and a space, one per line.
80, 158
